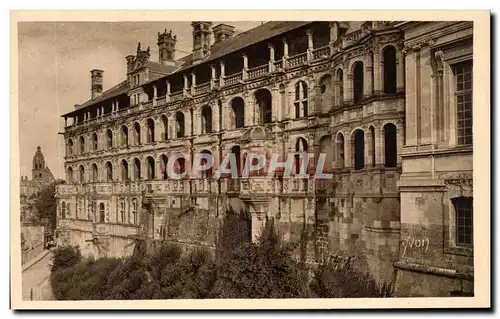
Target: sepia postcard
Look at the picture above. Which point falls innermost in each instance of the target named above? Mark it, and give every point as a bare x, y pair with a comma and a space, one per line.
312, 160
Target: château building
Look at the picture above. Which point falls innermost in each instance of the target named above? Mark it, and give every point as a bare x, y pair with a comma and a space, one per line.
389, 103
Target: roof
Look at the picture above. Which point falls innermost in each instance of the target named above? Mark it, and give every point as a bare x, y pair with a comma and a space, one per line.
245, 39
116, 90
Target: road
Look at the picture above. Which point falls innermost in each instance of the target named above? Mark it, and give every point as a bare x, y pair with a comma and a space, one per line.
36, 277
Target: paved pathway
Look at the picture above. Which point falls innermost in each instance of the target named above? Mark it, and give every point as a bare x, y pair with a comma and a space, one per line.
36, 278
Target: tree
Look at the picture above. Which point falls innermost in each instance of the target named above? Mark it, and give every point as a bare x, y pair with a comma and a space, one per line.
45, 203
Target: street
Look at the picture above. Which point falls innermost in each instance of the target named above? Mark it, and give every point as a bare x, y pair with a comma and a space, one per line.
36, 277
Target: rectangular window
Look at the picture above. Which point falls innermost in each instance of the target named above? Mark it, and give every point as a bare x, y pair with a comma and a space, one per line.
463, 219
463, 96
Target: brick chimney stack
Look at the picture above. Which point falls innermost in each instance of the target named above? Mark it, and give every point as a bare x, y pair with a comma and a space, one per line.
201, 39
222, 31
166, 47
96, 83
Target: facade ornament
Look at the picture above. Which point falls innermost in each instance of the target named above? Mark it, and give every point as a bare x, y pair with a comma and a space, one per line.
439, 55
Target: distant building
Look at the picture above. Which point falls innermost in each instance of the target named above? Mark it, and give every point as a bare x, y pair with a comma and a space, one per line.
41, 176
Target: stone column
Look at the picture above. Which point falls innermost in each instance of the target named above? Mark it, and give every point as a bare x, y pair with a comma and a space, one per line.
274, 103
213, 76
185, 88
368, 77
310, 45
222, 73
400, 72
348, 92
271, 57
285, 53
244, 74
158, 129
347, 151
193, 83
368, 148
155, 94
333, 31
377, 74
215, 118
379, 145
399, 139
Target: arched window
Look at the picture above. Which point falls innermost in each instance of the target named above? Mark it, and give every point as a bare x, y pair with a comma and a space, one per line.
180, 166
325, 147
301, 107
358, 81
109, 139
151, 130
390, 143
95, 174
124, 136
109, 172
137, 133
70, 147
124, 170
340, 87
94, 142
122, 211
82, 174
372, 145
301, 149
359, 149
340, 150
179, 123
69, 176
389, 55
163, 166
263, 100
325, 94
137, 169
206, 120
101, 213
236, 150
63, 210
164, 122
82, 145
208, 172
151, 168
238, 107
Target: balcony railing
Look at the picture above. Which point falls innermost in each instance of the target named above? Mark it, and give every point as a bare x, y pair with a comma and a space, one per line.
176, 96
321, 53
259, 71
202, 88
278, 65
297, 59
233, 78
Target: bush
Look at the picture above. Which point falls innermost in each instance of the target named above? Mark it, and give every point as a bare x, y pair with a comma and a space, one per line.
65, 257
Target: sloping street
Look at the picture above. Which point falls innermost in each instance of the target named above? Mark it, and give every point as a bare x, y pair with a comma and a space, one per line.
35, 279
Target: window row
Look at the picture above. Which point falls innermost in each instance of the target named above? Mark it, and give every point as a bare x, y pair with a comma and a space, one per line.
97, 213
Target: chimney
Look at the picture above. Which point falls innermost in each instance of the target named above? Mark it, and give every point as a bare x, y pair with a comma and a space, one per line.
130, 63
96, 83
166, 47
201, 39
222, 31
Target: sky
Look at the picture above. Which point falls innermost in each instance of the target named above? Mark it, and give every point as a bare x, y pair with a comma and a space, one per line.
55, 59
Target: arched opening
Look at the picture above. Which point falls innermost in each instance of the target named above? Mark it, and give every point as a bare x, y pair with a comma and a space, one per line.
109, 139
340, 87
206, 120
70, 147
69, 176
301, 102
358, 79
340, 150
151, 168
372, 145
359, 149
137, 169
325, 147
236, 150
208, 172
179, 166
179, 122
263, 100
151, 130
109, 172
95, 176
63, 210
390, 143
124, 171
137, 133
94, 142
238, 106
325, 93
389, 55
82, 145
124, 136
82, 174
101, 213
134, 211
301, 149
164, 122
